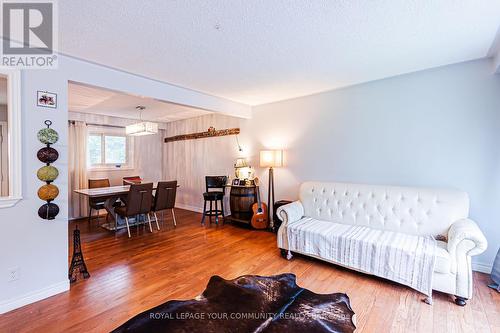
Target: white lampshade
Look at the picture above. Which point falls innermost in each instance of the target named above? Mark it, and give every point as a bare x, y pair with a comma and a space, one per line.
271, 158
241, 163
142, 128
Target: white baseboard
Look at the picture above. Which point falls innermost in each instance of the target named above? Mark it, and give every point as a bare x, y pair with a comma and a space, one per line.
189, 207
34, 296
195, 208
480, 267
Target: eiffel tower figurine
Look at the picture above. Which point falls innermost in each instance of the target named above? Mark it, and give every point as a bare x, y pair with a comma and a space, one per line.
77, 262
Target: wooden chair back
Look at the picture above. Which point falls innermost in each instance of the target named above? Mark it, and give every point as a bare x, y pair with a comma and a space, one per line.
139, 199
165, 195
216, 183
132, 180
96, 183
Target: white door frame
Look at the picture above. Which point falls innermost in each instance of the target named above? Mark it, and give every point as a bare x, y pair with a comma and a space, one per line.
4, 158
14, 130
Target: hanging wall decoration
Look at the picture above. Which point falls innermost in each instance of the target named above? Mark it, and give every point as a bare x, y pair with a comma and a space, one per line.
211, 132
48, 173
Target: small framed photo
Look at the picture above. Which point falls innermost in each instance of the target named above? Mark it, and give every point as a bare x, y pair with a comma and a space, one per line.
249, 182
46, 99
236, 182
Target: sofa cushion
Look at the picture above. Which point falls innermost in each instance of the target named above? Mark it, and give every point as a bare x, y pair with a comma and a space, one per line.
443, 259
404, 258
319, 229
411, 210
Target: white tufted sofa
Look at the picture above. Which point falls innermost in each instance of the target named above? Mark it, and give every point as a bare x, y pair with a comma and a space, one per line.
409, 210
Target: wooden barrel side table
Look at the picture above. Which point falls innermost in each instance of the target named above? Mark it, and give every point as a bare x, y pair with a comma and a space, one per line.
241, 199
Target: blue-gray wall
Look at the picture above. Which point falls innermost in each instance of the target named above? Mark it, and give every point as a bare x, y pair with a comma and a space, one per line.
437, 128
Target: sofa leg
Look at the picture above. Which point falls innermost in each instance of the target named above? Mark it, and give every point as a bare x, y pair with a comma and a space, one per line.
286, 254
460, 301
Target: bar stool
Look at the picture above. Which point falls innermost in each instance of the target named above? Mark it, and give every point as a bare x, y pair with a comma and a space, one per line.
215, 191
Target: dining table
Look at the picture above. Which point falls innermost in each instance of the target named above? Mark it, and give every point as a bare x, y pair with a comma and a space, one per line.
110, 195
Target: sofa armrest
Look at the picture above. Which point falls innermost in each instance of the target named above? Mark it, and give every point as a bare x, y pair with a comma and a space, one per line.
291, 212
466, 229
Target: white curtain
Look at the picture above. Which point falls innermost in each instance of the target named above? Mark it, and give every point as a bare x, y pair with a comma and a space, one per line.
77, 164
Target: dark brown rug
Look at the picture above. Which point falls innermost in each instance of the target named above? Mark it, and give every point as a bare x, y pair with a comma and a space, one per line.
249, 303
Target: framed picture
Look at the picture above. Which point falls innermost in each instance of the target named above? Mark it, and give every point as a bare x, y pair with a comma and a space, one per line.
46, 99
249, 182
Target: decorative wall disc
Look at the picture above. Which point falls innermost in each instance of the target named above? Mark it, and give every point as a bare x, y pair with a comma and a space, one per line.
47, 155
48, 192
48, 136
47, 173
48, 211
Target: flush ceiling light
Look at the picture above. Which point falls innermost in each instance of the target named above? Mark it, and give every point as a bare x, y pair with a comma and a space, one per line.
143, 127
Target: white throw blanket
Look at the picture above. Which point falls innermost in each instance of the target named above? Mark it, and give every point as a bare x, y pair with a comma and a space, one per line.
406, 259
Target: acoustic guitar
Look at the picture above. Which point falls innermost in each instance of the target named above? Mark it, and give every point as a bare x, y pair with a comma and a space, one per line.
259, 218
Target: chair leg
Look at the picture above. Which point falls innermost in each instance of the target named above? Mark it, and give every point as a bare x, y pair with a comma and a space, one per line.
90, 215
149, 220
211, 212
216, 213
156, 218
222, 209
204, 212
173, 217
128, 227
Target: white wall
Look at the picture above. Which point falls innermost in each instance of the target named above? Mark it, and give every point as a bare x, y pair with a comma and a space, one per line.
437, 128
190, 161
38, 247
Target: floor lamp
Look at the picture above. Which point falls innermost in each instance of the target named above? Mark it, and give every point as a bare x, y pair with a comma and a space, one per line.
271, 159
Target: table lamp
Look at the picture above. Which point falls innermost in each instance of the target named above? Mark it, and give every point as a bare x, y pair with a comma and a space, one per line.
271, 159
241, 168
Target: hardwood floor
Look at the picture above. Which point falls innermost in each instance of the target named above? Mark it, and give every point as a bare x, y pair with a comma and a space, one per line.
129, 276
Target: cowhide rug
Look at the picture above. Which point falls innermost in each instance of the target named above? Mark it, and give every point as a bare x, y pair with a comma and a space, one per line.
249, 303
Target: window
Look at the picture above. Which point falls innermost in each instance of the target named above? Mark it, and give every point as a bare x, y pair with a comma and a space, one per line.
108, 149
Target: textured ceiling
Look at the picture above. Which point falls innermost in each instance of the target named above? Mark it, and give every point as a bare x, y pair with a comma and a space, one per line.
259, 51
94, 100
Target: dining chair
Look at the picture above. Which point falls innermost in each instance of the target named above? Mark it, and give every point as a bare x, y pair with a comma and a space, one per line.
215, 187
165, 199
96, 203
132, 180
139, 201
